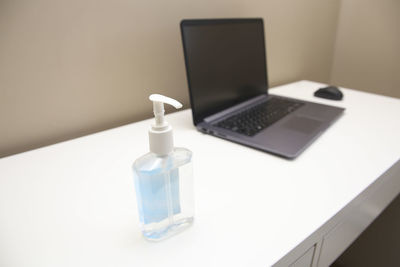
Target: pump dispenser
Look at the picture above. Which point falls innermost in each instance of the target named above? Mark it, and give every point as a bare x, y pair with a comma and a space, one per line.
160, 135
163, 179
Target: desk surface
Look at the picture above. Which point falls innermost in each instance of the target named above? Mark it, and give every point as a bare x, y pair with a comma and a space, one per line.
73, 203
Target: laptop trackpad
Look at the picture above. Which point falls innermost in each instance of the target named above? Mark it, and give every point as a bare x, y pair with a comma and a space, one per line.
302, 124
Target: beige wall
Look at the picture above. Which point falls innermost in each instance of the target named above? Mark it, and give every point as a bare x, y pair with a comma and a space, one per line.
69, 68
367, 51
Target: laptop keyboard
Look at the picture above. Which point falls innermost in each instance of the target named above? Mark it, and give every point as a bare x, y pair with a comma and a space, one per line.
253, 120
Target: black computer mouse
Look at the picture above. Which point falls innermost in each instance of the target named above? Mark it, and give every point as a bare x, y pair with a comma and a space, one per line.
330, 92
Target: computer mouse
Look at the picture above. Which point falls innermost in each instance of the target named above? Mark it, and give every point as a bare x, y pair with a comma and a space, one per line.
330, 92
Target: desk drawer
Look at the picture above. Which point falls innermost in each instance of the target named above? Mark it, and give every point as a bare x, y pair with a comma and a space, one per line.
306, 259
357, 220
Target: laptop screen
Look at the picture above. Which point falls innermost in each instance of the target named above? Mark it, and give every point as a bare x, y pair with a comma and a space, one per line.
225, 63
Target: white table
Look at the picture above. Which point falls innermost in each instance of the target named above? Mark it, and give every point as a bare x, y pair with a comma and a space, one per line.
73, 203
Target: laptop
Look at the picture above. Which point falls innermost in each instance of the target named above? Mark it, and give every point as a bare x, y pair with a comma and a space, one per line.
228, 86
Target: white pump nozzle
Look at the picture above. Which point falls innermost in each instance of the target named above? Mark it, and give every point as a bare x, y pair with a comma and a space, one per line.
158, 108
160, 134
164, 99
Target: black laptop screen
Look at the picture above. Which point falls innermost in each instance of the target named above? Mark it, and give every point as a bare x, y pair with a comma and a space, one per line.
225, 63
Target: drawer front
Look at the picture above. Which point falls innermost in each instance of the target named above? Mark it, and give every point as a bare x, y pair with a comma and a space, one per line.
306, 259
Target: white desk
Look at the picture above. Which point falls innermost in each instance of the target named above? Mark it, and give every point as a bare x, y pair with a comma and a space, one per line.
73, 203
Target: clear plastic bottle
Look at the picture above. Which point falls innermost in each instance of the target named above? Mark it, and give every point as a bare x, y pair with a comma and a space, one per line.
164, 180
164, 188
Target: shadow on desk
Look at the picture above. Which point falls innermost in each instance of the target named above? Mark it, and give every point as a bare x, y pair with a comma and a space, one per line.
379, 244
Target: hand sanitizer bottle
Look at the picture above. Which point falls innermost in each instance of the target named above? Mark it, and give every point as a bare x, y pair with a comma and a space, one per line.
163, 179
